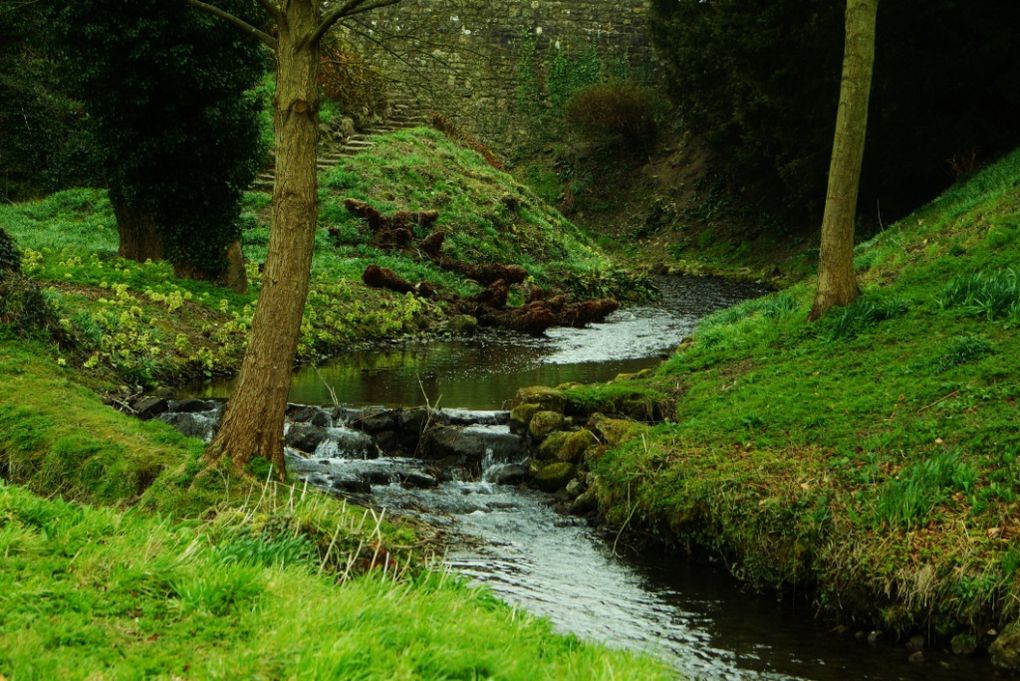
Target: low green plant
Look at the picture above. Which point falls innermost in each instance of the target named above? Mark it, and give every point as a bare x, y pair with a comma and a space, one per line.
907, 499
962, 349
992, 295
845, 323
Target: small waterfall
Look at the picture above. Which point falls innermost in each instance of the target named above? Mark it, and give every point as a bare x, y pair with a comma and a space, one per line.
344, 443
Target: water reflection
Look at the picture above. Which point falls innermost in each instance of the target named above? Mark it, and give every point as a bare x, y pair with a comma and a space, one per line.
483, 372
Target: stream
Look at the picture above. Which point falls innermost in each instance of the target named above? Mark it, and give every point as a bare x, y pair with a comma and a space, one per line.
689, 613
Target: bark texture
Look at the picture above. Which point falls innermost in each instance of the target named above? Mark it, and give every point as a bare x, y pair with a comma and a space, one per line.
837, 284
253, 421
139, 237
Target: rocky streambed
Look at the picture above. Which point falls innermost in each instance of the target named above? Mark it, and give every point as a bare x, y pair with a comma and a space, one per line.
479, 474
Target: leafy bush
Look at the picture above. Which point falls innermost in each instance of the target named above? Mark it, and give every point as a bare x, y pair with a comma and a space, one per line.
24, 308
613, 112
994, 295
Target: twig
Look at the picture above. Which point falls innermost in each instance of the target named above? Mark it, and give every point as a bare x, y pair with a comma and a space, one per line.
329, 388
938, 401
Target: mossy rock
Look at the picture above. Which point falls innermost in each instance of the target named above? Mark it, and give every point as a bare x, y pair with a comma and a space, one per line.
521, 415
612, 432
463, 325
1005, 650
548, 398
544, 423
639, 407
567, 446
551, 476
964, 644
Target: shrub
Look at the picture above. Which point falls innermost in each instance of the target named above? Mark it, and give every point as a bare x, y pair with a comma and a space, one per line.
614, 113
24, 308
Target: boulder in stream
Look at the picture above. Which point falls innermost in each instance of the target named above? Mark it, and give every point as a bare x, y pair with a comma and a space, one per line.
550, 476
548, 398
470, 444
150, 407
304, 437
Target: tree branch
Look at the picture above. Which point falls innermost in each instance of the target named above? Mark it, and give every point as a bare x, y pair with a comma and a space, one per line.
348, 9
264, 37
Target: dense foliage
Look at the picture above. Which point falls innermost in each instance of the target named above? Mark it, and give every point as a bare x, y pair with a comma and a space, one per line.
761, 79
46, 143
165, 87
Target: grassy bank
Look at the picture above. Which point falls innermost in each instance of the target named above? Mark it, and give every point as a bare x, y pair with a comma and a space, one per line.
871, 456
119, 563
134, 324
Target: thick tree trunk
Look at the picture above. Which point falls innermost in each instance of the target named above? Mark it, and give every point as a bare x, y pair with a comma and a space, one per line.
139, 235
253, 421
837, 284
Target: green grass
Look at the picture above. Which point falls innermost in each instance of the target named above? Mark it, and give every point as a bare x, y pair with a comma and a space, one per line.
118, 561
99, 593
874, 455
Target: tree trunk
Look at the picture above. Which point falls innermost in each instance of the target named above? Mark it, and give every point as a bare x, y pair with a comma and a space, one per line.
253, 421
837, 284
139, 235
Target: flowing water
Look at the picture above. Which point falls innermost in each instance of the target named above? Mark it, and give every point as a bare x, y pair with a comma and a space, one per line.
689, 613
484, 372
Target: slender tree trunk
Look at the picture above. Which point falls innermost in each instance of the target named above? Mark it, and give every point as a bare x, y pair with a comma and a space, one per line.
837, 284
139, 235
253, 421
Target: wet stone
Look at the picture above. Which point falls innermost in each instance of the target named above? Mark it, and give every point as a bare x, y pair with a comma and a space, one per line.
193, 424
315, 416
150, 407
191, 406
304, 437
964, 644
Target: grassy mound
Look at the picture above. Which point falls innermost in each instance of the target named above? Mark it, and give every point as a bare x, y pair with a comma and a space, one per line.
487, 215
873, 455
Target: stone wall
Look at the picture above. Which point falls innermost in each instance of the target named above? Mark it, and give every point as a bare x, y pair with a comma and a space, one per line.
464, 58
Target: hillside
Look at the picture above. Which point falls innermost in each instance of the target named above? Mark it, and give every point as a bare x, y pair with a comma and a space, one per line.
872, 457
133, 324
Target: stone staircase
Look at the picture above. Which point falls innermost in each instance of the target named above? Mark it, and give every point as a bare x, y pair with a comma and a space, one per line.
401, 114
